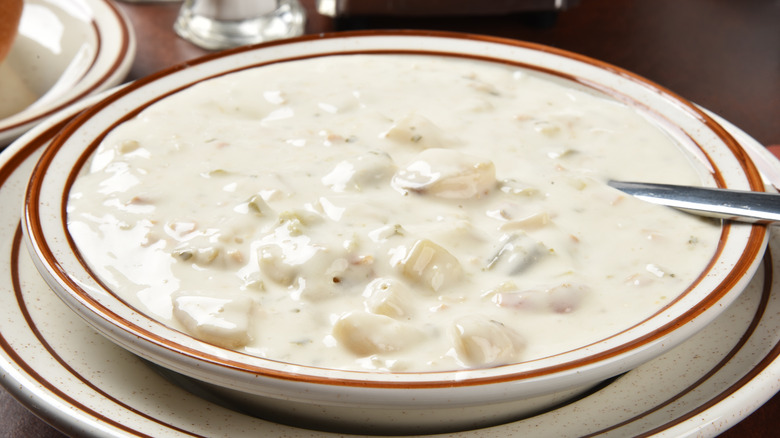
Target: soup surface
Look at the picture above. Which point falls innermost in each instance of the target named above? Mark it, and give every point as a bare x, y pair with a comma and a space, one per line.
389, 212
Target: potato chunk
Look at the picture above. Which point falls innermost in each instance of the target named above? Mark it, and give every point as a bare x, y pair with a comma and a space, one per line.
365, 333
431, 265
274, 265
257, 206
480, 342
386, 296
416, 130
447, 173
223, 321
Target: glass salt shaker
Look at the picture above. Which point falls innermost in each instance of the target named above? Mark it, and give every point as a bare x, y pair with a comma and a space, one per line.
222, 24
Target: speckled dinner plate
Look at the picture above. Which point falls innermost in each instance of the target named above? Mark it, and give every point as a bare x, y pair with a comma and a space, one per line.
84, 384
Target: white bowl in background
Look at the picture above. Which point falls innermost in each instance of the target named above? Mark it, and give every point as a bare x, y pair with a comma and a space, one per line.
65, 50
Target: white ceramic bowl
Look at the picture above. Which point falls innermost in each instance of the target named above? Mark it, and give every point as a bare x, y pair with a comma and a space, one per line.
397, 402
65, 50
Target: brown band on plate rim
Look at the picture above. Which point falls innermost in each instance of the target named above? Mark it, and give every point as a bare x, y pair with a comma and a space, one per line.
766, 291
754, 247
50, 386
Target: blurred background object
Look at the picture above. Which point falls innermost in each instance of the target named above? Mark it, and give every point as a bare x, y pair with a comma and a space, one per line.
13, 93
62, 51
222, 24
407, 8
357, 14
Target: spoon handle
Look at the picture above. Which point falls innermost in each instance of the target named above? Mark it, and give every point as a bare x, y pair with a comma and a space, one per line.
736, 205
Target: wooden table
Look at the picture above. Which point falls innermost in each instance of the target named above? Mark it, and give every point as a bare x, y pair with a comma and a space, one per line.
721, 54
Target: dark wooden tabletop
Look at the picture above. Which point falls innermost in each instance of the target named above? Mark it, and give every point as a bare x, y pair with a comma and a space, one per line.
721, 54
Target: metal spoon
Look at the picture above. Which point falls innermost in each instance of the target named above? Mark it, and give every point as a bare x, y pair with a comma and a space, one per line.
736, 205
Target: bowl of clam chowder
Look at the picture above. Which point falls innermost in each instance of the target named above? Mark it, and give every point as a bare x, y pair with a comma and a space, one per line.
390, 231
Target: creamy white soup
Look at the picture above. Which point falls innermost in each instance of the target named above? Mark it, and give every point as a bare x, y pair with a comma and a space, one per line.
389, 212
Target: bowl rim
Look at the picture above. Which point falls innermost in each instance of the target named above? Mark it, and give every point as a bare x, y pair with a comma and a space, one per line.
168, 349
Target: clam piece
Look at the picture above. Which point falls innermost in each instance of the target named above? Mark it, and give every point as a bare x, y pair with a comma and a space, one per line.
359, 173
432, 265
447, 173
562, 298
517, 252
